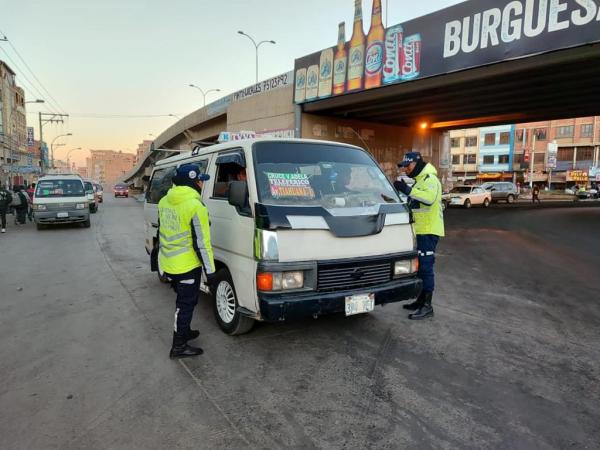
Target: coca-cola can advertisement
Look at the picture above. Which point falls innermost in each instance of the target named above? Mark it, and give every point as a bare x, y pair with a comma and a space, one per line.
464, 36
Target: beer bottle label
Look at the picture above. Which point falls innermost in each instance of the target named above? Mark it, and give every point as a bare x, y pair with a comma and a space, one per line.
374, 60
356, 65
339, 74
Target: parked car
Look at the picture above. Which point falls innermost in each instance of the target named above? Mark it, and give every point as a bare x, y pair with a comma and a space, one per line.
90, 190
590, 194
467, 196
60, 199
121, 190
502, 191
99, 193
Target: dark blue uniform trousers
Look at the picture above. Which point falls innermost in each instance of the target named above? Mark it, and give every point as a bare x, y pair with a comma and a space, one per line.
187, 287
426, 245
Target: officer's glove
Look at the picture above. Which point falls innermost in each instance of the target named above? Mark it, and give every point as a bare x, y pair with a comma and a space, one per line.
211, 279
401, 186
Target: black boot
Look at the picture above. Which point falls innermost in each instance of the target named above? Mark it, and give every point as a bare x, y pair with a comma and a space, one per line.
180, 348
192, 334
425, 311
416, 304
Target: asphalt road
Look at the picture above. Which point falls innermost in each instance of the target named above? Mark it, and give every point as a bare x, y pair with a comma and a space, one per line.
511, 359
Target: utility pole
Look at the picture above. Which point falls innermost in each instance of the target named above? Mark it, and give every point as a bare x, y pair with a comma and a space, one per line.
52, 118
532, 160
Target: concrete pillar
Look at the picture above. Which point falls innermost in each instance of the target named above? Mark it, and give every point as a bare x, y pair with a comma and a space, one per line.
298, 121
574, 157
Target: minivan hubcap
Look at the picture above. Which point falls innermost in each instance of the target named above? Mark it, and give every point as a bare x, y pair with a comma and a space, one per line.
225, 301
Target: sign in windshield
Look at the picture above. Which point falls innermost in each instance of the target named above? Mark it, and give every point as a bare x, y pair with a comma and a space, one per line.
331, 176
59, 188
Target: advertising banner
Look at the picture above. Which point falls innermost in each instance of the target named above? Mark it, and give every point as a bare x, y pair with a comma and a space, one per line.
552, 154
580, 176
44, 154
595, 173
227, 136
30, 137
471, 34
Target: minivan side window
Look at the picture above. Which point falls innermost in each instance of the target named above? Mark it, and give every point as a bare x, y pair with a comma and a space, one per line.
159, 184
230, 167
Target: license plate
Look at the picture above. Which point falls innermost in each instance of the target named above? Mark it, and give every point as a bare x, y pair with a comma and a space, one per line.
360, 304
62, 215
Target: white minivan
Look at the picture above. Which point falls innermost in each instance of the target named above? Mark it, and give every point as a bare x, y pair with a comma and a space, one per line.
60, 199
299, 228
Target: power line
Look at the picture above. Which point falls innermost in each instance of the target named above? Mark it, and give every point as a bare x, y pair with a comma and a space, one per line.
114, 116
31, 85
33, 74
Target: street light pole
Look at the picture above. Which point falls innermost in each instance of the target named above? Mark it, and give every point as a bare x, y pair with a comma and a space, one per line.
52, 146
69, 154
204, 94
36, 101
256, 48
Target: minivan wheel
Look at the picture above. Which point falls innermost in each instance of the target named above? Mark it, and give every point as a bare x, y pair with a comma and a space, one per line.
225, 301
467, 203
510, 199
87, 223
40, 226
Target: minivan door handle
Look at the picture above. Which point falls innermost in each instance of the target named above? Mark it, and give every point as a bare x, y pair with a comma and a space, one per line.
155, 225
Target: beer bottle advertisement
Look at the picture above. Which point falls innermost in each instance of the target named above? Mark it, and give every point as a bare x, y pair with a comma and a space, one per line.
375, 49
300, 89
312, 82
326, 73
356, 63
340, 62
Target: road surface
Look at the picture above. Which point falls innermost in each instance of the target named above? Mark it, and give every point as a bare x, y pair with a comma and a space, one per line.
511, 359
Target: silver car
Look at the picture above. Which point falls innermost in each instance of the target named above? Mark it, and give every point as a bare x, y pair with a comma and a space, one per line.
502, 191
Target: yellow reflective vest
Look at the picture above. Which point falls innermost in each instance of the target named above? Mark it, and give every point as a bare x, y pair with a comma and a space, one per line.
426, 203
184, 232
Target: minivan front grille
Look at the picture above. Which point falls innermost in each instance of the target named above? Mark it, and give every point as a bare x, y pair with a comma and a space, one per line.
60, 206
338, 276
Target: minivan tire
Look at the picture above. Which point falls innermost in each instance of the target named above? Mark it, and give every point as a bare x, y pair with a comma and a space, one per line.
225, 299
40, 226
467, 203
510, 199
87, 223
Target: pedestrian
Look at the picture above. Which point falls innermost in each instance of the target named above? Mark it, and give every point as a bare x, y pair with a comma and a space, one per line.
6, 199
20, 204
30, 193
184, 250
535, 194
425, 198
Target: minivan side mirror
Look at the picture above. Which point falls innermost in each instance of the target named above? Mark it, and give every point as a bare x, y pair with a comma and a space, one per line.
238, 197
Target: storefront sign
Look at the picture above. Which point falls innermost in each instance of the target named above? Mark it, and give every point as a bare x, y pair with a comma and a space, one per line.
29, 137
595, 173
471, 34
285, 133
580, 176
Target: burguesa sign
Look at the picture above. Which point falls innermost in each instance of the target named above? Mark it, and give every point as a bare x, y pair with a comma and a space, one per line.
471, 34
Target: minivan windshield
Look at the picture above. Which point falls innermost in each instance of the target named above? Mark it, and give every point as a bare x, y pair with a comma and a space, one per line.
59, 188
331, 176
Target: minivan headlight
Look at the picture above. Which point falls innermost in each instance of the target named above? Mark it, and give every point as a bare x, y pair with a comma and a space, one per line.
81, 206
40, 207
279, 281
406, 267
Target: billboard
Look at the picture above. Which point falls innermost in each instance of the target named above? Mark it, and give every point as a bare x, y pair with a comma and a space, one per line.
471, 34
30, 137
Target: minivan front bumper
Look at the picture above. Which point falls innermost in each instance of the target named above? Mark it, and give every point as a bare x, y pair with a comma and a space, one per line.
280, 307
50, 217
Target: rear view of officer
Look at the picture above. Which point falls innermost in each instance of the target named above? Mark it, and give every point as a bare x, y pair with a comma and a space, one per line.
425, 198
184, 249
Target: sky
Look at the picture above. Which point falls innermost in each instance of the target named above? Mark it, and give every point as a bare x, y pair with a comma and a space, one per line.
101, 58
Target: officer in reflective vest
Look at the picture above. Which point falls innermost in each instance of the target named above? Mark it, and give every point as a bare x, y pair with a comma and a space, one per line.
184, 249
425, 200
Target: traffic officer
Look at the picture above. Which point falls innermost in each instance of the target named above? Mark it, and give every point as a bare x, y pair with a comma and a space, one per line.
184, 249
425, 200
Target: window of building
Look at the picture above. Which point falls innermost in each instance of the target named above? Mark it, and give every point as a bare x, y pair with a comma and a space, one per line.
455, 142
517, 158
488, 159
565, 154
541, 133
471, 141
456, 159
539, 158
585, 154
587, 130
503, 159
519, 135
505, 138
470, 159
490, 139
564, 132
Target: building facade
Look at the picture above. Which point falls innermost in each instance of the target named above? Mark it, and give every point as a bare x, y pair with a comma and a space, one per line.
142, 148
464, 149
495, 151
109, 166
13, 128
